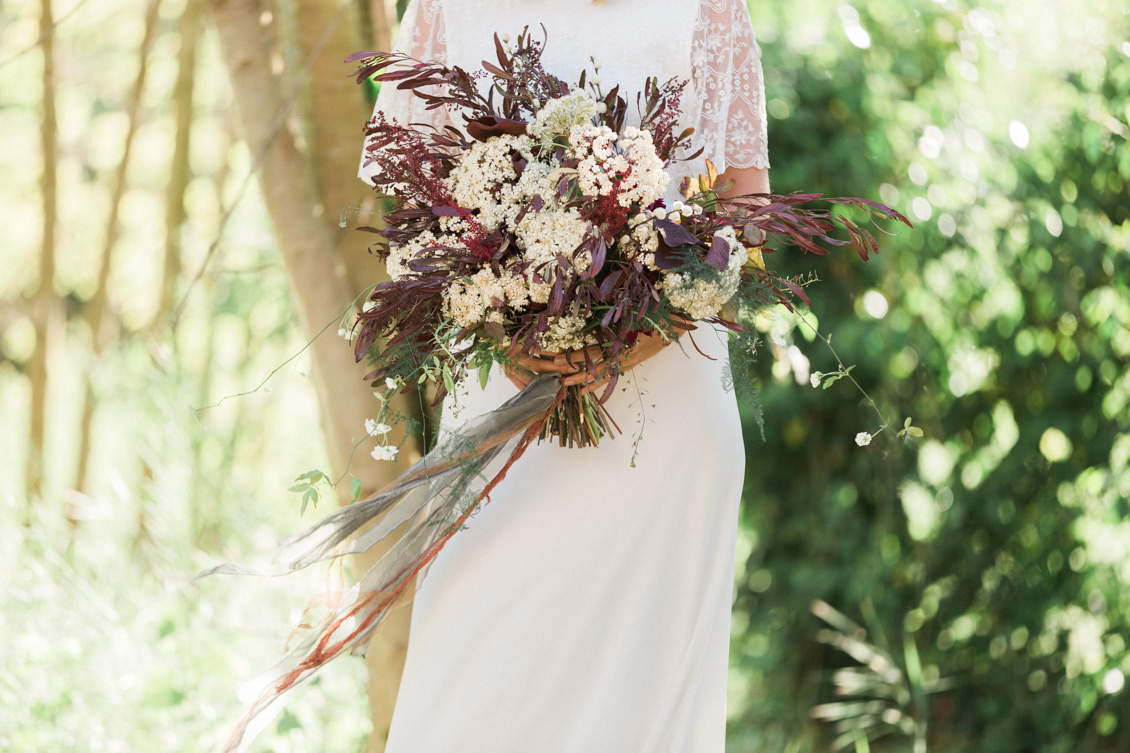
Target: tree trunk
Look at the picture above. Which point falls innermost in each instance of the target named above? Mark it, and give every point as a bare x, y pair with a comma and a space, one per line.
334, 114
98, 311
175, 214
46, 312
305, 192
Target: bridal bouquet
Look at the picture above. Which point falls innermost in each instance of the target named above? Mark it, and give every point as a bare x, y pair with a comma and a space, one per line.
540, 227
533, 226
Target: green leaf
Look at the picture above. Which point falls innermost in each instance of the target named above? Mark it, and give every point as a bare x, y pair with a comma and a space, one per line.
355, 487
310, 497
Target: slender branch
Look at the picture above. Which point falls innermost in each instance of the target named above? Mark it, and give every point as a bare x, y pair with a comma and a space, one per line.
845, 371
175, 214
46, 32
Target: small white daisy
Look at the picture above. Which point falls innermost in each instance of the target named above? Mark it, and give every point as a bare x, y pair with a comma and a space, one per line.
375, 428
385, 452
863, 439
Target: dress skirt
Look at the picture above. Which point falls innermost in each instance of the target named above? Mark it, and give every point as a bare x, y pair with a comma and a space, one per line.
586, 607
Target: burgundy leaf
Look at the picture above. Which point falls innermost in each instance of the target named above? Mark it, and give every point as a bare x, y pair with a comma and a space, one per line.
484, 128
719, 254
495, 331
666, 257
498, 72
556, 296
599, 253
674, 234
609, 284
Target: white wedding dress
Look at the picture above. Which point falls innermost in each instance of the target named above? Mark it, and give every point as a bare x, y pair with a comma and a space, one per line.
586, 608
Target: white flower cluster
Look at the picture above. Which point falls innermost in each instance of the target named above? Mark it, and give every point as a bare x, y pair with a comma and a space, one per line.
626, 162
382, 451
545, 235
470, 301
701, 297
641, 242
501, 180
399, 254
565, 334
559, 116
485, 176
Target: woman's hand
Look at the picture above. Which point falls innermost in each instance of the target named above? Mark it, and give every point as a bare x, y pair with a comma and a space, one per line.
571, 364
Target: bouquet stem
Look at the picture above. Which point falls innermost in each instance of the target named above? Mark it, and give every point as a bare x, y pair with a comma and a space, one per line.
579, 419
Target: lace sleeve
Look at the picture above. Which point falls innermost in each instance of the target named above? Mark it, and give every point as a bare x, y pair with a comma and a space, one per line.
728, 83
422, 35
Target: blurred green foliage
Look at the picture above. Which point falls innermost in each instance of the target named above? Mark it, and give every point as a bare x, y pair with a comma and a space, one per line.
991, 559
971, 585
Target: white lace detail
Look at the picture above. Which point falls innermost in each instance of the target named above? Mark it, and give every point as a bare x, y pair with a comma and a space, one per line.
729, 85
423, 36
725, 102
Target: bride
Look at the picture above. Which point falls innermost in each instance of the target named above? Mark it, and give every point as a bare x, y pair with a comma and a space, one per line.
587, 607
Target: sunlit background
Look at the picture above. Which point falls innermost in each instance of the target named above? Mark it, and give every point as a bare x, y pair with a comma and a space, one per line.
965, 591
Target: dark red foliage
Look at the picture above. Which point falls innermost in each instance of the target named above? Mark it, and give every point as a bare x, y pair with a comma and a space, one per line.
412, 162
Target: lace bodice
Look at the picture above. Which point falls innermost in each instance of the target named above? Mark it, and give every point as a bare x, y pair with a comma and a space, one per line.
711, 45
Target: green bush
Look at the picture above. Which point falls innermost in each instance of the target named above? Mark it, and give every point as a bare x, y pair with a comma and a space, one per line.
988, 560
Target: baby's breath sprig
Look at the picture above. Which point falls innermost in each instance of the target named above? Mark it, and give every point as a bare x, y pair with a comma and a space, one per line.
822, 379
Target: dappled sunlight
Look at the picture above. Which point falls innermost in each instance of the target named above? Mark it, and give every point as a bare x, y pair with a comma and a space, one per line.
1000, 325
982, 568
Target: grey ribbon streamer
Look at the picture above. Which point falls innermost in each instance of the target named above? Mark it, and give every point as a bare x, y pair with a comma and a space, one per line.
431, 500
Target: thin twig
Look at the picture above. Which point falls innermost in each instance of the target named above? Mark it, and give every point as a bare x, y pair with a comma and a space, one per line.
43, 35
845, 371
309, 343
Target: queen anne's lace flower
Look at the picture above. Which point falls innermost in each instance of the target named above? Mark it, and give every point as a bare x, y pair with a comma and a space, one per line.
559, 116
625, 165
565, 334
399, 254
483, 296
703, 296
546, 235
485, 168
